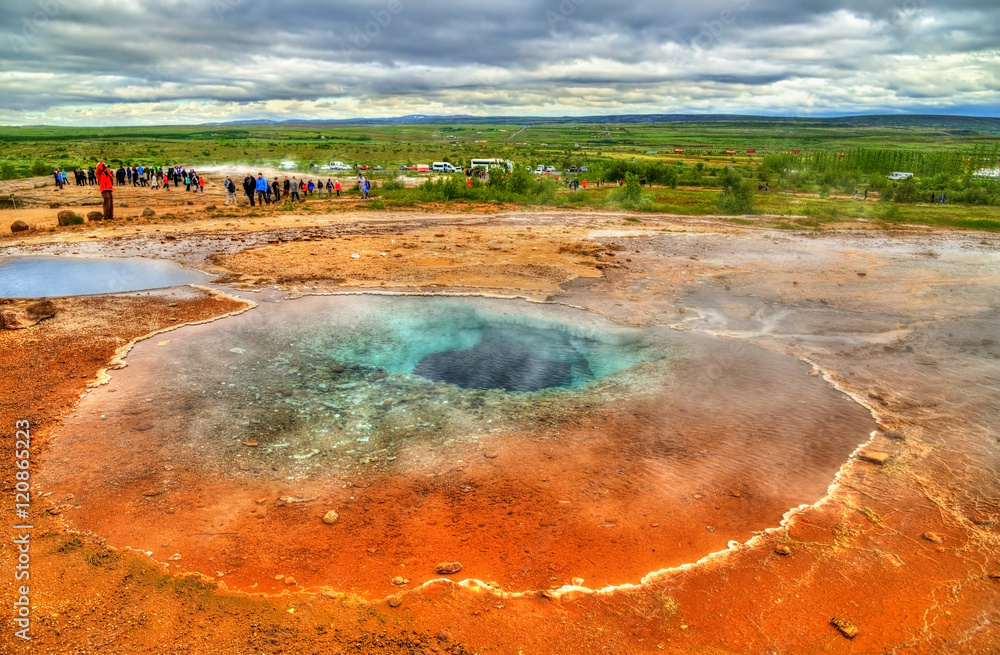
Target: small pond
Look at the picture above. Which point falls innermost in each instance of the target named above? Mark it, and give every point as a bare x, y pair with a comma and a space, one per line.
52, 277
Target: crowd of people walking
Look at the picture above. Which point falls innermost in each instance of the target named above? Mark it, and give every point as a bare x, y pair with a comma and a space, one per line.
258, 190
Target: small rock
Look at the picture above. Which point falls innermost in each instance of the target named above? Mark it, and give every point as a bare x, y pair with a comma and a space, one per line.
550, 595
400, 581
148, 212
330, 517
33, 314
845, 627
151, 493
874, 457
238, 351
491, 454
210, 208
54, 205
783, 550
933, 537
190, 204
448, 568
290, 581
995, 575
577, 582
67, 217
94, 217
19, 226
394, 601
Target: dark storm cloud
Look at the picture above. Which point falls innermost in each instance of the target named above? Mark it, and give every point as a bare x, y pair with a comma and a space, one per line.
186, 60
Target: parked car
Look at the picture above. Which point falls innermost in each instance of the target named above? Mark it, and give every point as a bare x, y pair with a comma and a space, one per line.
583, 169
376, 168
339, 166
404, 167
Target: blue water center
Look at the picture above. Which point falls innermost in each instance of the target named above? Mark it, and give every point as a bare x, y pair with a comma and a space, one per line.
50, 277
475, 344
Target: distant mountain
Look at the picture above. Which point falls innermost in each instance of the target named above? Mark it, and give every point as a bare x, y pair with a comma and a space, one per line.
972, 124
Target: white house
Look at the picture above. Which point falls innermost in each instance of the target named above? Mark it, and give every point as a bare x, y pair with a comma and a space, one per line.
987, 174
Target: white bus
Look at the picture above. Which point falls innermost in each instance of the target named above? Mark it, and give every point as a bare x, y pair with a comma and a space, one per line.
492, 163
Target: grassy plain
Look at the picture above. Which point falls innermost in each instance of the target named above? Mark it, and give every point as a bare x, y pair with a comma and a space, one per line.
798, 200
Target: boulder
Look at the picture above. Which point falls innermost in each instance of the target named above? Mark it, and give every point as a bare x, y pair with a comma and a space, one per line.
14, 319
67, 217
19, 226
54, 205
95, 216
211, 208
148, 212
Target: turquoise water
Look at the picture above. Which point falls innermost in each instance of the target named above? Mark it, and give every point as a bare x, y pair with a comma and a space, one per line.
50, 277
475, 344
358, 377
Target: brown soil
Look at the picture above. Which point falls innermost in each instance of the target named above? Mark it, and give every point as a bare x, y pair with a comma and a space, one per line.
858, 555
490, 258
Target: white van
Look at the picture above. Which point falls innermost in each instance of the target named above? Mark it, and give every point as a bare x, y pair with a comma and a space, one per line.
487, 164
287, 166
443, 167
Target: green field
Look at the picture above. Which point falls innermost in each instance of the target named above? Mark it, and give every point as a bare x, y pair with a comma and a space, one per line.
836, 156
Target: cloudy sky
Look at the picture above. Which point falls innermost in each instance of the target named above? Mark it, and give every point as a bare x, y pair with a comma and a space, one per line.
104, 62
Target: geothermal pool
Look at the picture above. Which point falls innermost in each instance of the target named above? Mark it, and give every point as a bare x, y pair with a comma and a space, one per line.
535, 444
49, 277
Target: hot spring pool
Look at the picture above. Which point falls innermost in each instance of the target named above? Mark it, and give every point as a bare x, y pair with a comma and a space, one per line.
51, 277
525, 441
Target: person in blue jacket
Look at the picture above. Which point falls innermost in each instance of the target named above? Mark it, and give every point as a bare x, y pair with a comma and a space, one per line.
262, 188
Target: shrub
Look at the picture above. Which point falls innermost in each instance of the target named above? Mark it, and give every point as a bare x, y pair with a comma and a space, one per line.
630, 196
737, 194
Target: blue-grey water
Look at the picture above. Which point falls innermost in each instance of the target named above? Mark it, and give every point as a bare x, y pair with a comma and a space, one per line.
51, 277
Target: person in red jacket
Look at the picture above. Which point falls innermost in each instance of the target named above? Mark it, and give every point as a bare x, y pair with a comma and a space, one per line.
106, 183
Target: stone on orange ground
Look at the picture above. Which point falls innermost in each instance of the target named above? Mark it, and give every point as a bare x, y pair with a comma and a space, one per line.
874, 457
783, 550
330, 517
845, 627
33, 314
19, 226
933, 537
394, 601
448, 568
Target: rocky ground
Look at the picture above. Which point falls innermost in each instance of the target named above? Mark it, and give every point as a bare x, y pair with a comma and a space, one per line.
902, 552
